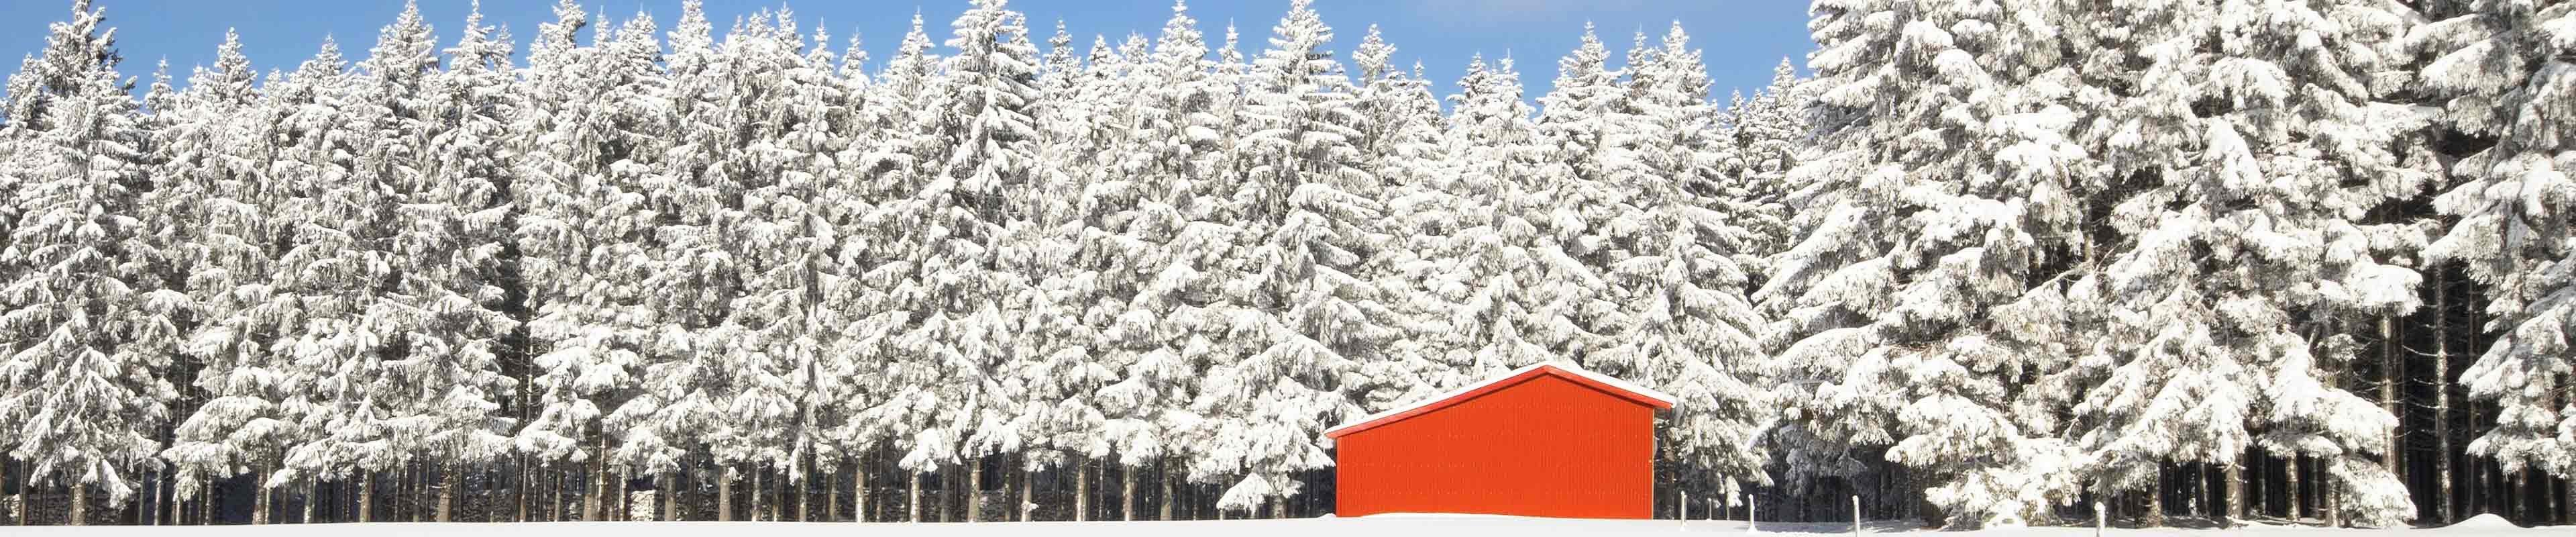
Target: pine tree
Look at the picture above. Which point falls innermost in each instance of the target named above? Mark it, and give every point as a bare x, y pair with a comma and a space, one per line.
1434, 261
1162, 251
1579, 122
230, 212
1300, 302
898, 161
676, 405
983, 188
788, 244
1930, 284
359, 348
1767, 136
318, 276
2215, 326
2489, 69
1676, 257
1076, 257
83, 384
454, 227
561, 191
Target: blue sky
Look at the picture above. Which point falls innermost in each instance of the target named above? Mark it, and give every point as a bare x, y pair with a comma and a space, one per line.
1743, 39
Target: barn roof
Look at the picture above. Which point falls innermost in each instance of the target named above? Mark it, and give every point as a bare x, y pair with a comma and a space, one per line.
1605, 383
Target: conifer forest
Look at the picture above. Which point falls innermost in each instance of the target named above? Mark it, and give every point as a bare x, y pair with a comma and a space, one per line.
1977, 263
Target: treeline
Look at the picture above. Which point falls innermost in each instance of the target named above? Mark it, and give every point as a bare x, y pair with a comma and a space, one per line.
1995, 264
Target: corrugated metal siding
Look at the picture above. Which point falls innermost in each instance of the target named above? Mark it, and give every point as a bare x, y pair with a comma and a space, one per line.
1546, 446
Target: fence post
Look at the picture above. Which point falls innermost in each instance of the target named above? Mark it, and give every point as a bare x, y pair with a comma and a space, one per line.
2100, 519
1855, 515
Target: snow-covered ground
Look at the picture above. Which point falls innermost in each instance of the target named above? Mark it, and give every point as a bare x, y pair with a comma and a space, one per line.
1403, 525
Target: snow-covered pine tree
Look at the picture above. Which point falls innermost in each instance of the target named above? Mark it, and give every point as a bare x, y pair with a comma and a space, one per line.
1767, 136
1675, 256
1155, 347
81, 385
678, 404
898, 163
303, 317
847, 384
216, 162
1402, 140
450, 236
743, 184
356, 346
593, 122
1076, 259
1303, 313
2218, 324
1914, 308
1578, 122
983, 193
1495, 161
788, 246
159, 264
2492, 71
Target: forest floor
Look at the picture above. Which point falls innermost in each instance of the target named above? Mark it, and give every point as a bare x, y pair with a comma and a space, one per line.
1402, 525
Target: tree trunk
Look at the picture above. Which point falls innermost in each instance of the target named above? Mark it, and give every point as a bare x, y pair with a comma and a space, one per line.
832, 495
2515, 504
2442, 496
2155, 516
312, 493
165, 501
150, 499
2235, 492
2268, 487
948, 493
622, 506
491, 472
419, 490
912, 486
521, 484
670, 496
2204, 500
1163, 472
366, 495
759, 493
975, 489
2567, 502
2388, 377
1028, 489
1127, 493
2329, 498
859, 490
724, 495
2469, 479
80, 504
557, 481
2296, 508
260, 504
1081, 488
451, 480
592, 489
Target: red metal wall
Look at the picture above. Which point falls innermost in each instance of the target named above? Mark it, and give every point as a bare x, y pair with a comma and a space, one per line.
1546, 446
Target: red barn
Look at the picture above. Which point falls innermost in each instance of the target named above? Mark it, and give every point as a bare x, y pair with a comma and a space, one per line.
1550, 440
